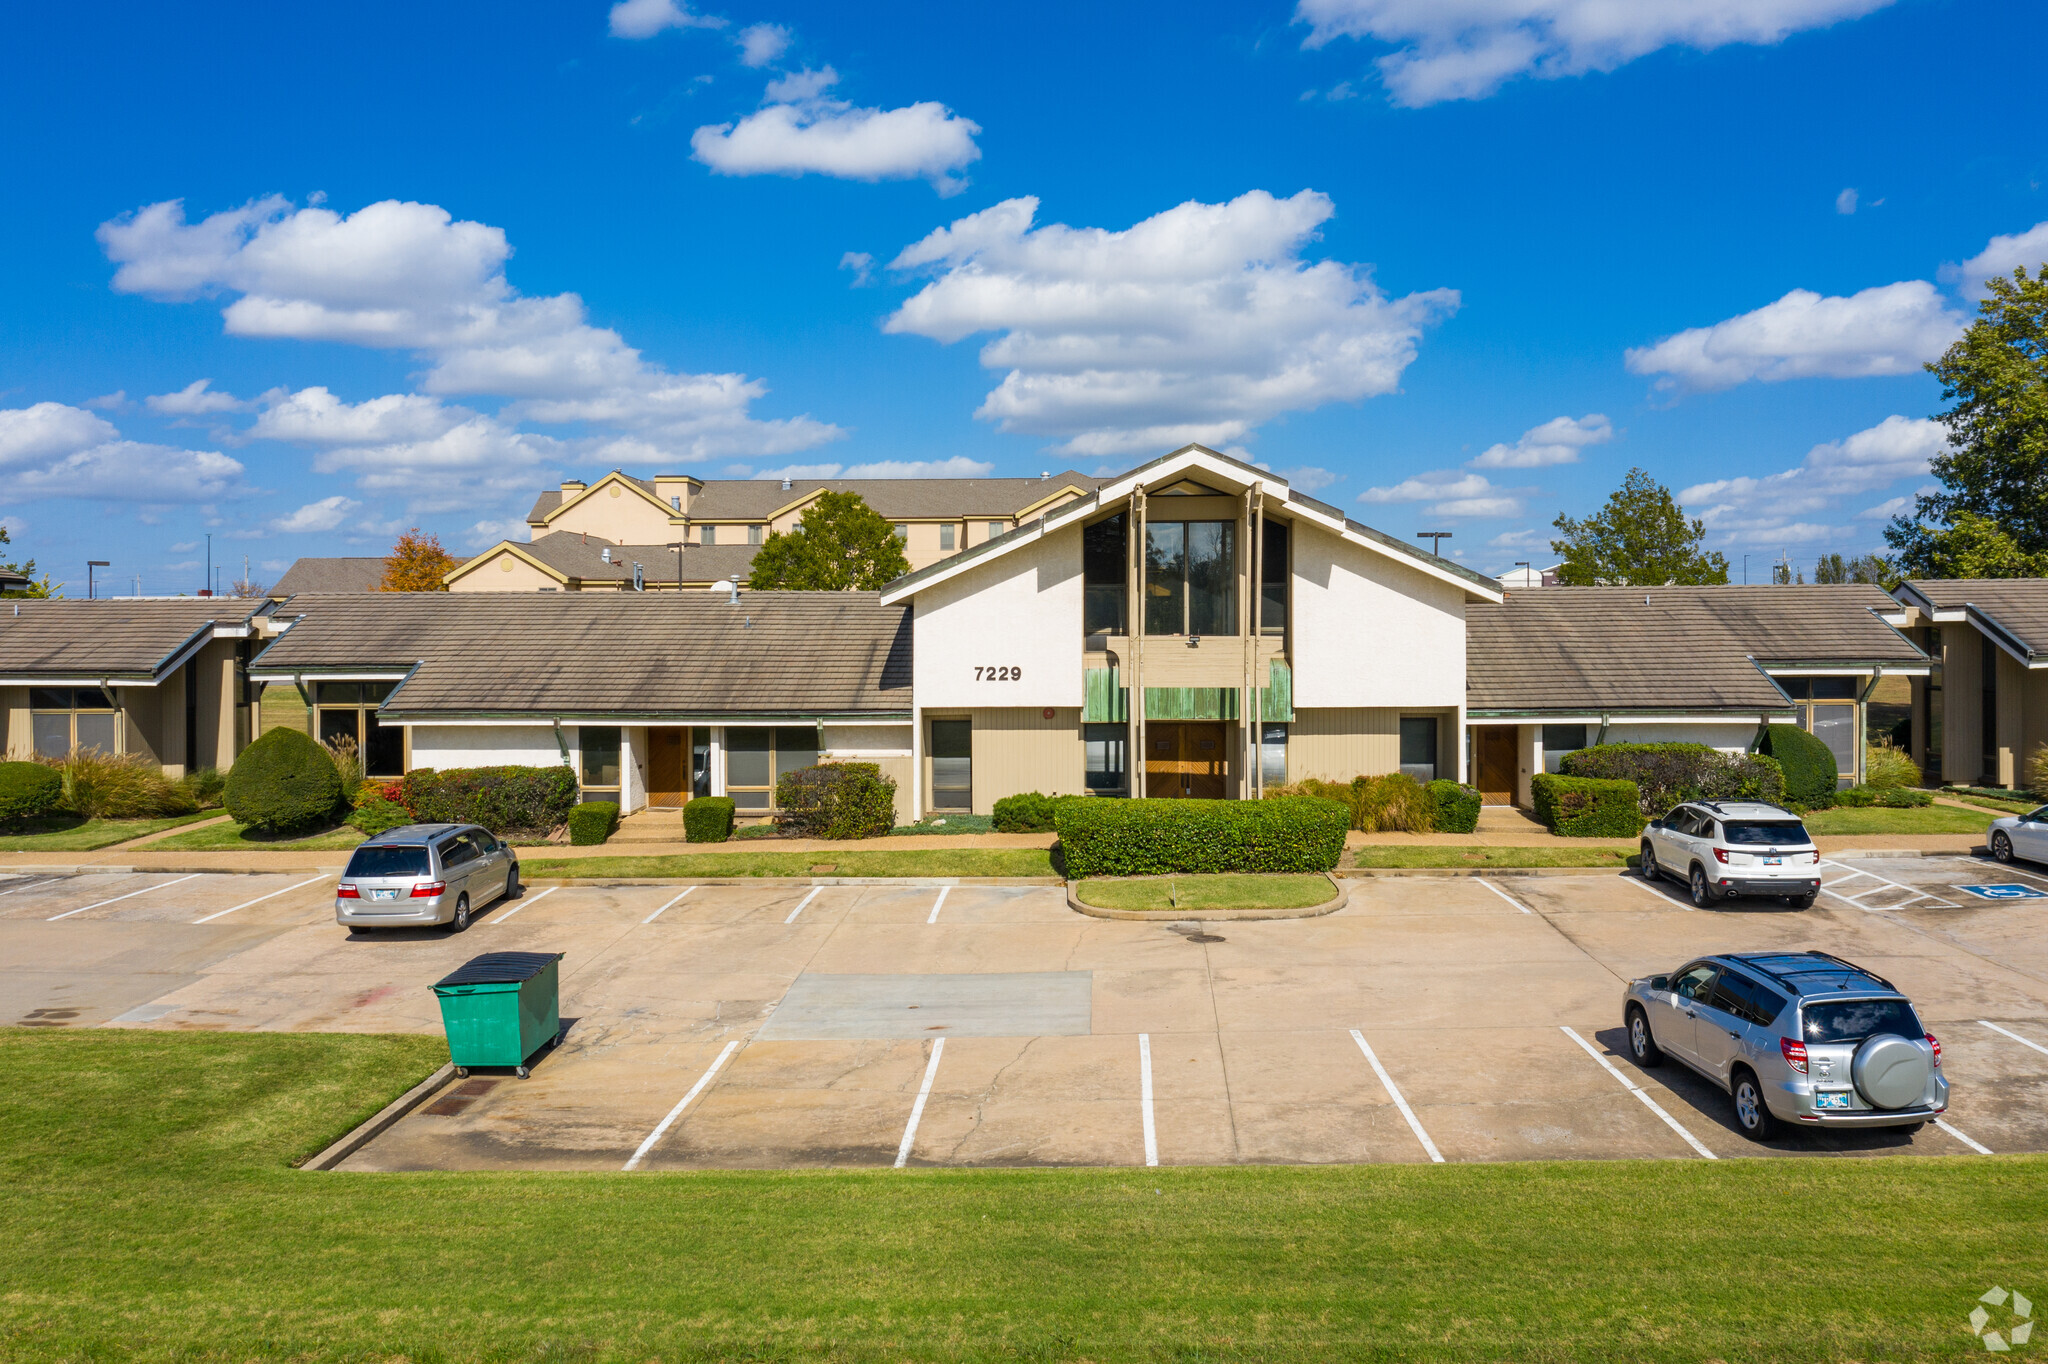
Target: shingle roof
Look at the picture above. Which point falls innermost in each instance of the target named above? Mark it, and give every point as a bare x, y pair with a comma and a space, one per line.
639, 653
1687, 649
330, 575
582, 557
2018, 606
115, 637
742, 499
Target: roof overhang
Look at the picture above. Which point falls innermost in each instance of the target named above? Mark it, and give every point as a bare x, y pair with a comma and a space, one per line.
400, 715
1969, 613
1864, 668
502, 547
615, 478
153, 676
1749, 715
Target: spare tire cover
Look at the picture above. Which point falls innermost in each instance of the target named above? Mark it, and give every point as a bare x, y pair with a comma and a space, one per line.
1891, 1070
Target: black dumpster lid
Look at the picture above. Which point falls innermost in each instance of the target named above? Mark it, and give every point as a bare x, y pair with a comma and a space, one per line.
499, 968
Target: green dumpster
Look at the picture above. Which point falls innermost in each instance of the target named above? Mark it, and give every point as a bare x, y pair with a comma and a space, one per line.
501, 1008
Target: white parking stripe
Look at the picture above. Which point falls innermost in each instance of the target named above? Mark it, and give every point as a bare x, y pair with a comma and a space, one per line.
801, 903
523, 902
677, 1111
30, 883
1387, 1083
664, 909
118, 898
1638, 1091
261, 898
924, 1091
1145, 1098
1503, 894
1857, 898
1978, 1147
938, 904
1640, 884
2015, 1037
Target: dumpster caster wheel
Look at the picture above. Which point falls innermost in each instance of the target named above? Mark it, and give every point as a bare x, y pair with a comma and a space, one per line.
462, 1072
521, 1071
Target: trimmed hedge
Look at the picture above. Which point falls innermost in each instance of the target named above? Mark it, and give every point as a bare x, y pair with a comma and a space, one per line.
1809, 764
1027, 813
707, 819
283, 781
1161, 837
1670, 774
529, 801
1390, 802
376, 809
1587, 807
28, 791
1457, 807
593, 821
1884, 797
835, 800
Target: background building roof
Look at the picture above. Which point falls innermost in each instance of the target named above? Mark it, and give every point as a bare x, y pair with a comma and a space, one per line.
330, 575
2018, 606
582, 557
121, 638
754, 499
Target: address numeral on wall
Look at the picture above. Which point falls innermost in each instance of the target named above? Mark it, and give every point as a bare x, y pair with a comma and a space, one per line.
994, 674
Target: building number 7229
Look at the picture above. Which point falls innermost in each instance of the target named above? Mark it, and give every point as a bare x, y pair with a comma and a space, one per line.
991, 674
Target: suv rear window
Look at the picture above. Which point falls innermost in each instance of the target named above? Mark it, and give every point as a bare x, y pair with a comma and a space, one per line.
388, 859
1778, 832
1852, 1020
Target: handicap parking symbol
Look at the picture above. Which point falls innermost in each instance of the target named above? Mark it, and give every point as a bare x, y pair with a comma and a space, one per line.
2005, 892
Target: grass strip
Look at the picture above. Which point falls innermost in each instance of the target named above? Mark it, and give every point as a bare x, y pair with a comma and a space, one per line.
152, 1216
1220, 891
237, 837
2004, 807
1422, 855
85, 835
923, 862
1871, 819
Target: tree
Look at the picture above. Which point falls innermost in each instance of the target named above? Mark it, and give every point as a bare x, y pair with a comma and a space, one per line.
1969, 546
1639, 539
27, 570
1996, 466
1864, 568
417, 563
840, 544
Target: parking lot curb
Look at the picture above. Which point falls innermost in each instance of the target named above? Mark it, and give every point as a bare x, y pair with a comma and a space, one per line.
932, 881
385, 1117
195, 868
1210, 915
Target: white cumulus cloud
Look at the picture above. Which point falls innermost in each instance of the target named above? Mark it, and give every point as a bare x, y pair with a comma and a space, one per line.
1467, 49
54, 450
1196, 324
1311, 479
1557, 441
326, 514
1845, 202
1779, 508
195, 399
1889, 329
802, 131
2001, 256
1450, 493
645, 18
959, 466
761, 44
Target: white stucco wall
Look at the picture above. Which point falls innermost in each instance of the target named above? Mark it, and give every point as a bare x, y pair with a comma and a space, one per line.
1729, 738
443, 746
856, 740
1022, 610
1372, 632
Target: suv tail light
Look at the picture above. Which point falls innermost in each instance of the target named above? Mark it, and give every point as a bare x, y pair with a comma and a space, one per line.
1795, 1053
428, 889
1720, 854
345, 891
1935, 1042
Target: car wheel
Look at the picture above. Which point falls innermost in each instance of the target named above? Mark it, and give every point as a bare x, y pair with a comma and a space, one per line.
2001, 845
1702, 893
1801, 901
461, 919
1641, 1044
512, 886
1648, 865
1751, 1113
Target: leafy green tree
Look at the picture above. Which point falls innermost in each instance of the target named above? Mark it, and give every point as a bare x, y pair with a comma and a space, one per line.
1641, 538
840, 544
1970, 546
1864, 568
1996, 466
27, 570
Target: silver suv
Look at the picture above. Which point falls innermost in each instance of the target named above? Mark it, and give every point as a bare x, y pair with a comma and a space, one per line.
1802, 1038
1725, 848
424, 874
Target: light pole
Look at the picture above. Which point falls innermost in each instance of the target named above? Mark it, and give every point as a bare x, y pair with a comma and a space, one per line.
1524, 563
1745, 570
1436, 540
677, 546
90, 565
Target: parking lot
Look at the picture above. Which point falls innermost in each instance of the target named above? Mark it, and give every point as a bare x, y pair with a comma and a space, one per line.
781, 1025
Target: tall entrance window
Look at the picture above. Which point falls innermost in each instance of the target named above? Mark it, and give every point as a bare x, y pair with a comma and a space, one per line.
1102, 577
67, 718
601, 749
1827, 710
1106, 747
1273, 578
952, 749
1273, 755
756, 758
1191, 578
1987, 707
1931, 701
1418, 746
348, 710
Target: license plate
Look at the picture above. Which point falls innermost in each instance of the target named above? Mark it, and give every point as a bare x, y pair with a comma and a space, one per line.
383, 895
1774, 861
1839, 1099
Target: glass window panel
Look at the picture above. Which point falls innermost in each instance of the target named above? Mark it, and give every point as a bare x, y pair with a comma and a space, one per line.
1418, 746
384, 756
53, 734
946, 537
1166, 578
96, 730
745, 799
1273, 756
1558, 740
1836, 688
338, 693
1105, 748
754, 535
796, 746
952, 738
376, 693
902, 531
747, 760
600, 745
1273, 578
708, 535
1212, 577
700, 762
1102, 577
995, 528
340, 724
1836, 726
1798, 688
91, 698
952, 747
49, 698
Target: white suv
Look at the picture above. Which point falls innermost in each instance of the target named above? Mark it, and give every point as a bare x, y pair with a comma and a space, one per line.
1724, 848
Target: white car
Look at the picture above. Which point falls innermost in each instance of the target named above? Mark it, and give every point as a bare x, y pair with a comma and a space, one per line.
1724, 848
2021, 836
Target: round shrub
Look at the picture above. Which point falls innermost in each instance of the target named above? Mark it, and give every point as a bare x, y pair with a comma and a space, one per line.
1809, 764
1457, 807
283, 781
28, 791
1884, 765
708, 819
593, 822
1027, 813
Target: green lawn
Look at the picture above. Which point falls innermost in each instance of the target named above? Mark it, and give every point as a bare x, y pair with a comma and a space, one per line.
1423, 856
240, 838
2003, 807
85, 835
1183, 893
151, 1215
939, 862
1928, 819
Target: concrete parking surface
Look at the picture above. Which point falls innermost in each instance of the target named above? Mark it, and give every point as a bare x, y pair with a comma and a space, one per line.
777, 1025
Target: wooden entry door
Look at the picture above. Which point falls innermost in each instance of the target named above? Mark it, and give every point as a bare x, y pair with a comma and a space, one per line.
1496, 764
1185, 759
668, 767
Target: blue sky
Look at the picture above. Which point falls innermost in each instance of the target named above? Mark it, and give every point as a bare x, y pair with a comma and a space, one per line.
1460, 263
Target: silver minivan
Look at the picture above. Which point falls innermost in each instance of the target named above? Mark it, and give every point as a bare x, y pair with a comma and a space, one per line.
423, 874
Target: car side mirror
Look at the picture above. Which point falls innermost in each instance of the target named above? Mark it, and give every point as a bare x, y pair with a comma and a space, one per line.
1660, 982
1656, 824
